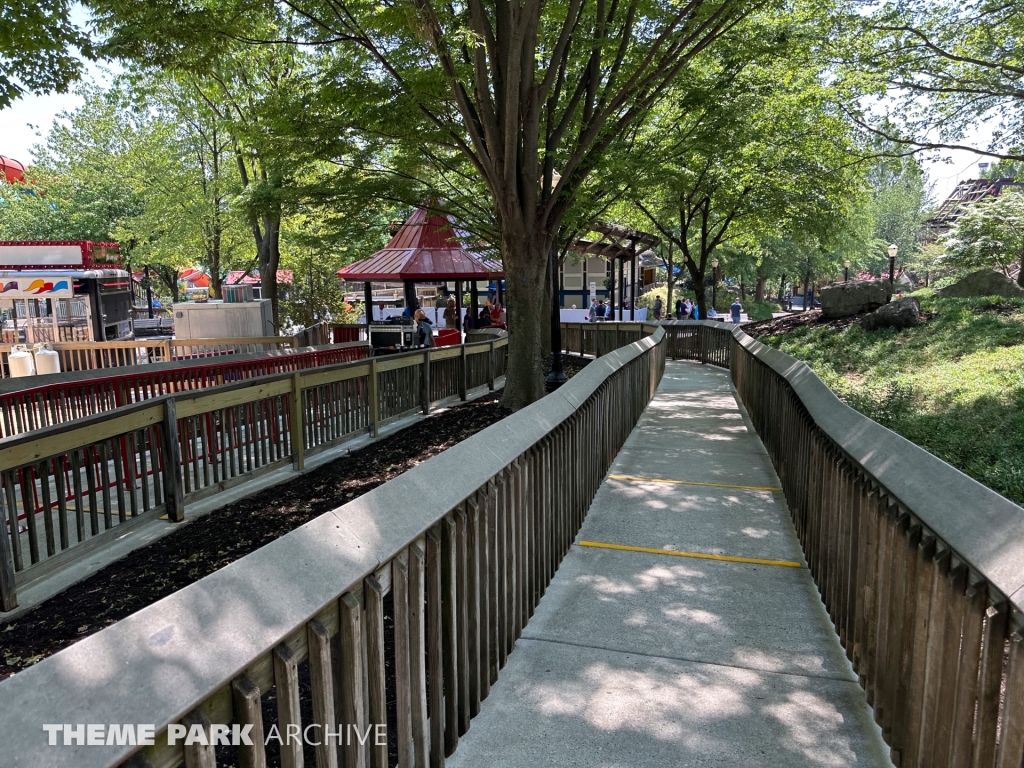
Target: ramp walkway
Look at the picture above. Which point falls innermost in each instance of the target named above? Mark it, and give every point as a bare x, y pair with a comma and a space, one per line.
683, 628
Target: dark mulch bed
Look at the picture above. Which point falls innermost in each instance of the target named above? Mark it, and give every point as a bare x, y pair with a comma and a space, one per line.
215, 540
780, 325
997, 309
571, 364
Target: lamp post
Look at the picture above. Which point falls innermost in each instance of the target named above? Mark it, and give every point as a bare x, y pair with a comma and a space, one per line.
846, 271
714, 284
893, 250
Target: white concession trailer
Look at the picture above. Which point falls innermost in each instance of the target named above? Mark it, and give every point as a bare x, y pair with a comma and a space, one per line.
60, 291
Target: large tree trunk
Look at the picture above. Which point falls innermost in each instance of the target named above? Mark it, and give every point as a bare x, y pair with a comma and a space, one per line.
702, 297
529, 311
1020, 273
670, 308
216, 277
759, 288
269, 258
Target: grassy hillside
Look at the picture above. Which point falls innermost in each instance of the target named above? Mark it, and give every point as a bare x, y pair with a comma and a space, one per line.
954, 385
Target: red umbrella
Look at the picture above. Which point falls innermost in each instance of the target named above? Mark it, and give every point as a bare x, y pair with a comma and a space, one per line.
12, 171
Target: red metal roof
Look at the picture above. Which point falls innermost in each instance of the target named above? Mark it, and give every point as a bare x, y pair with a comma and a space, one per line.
425, 248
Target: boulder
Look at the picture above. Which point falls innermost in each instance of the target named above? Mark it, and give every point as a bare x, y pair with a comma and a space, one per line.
902, 313
984, 282
853, 297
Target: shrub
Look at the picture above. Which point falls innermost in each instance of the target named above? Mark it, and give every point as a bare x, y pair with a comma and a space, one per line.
761, 310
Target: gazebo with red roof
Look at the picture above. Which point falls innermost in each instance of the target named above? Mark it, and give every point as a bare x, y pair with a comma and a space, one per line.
425, 249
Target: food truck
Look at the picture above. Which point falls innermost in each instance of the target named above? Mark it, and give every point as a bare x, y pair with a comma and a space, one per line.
58, 291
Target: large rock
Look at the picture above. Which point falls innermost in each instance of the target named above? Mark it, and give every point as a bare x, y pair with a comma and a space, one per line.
853, 297
902, 313
984, 282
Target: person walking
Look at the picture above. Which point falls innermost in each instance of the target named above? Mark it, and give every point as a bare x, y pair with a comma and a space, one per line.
592, 314
658, 306
424, 329
451, 314
735, 309
688, 308
680, 311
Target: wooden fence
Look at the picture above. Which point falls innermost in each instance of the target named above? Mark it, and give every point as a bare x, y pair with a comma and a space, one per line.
309, 609
68, 396
920, 567
91, 355
684, 339
68, 487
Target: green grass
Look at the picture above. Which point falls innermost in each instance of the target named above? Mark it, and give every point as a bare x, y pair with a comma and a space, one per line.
954, 386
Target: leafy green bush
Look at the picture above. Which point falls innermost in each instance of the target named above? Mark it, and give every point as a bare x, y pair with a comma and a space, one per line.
761, 310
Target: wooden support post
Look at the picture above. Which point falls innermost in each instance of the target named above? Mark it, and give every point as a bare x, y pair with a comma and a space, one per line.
417, 653
374, 400
425, 383
490, 368
435, 653
247, 709
403, 671
350, 674
464, 377
298, 441
449, 633
286, 681
376, 696
199, 755
8, 528
321, 679
174, 488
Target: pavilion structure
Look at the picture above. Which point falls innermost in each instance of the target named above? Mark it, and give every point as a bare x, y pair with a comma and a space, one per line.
966, 193
618, 244
425, 249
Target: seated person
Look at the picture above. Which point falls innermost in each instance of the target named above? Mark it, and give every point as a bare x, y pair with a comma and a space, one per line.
484, 320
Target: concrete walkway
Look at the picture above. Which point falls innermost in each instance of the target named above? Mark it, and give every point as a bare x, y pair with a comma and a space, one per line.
641, 658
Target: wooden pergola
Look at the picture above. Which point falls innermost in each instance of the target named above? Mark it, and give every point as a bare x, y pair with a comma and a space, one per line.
617, 244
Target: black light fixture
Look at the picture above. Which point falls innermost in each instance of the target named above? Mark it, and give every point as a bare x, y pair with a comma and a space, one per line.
893, 250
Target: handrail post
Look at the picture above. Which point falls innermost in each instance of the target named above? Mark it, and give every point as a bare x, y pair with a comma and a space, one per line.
174, 483
374, 399
490, 368
8, 528
464, 379
298, 442
425, 382
702, 347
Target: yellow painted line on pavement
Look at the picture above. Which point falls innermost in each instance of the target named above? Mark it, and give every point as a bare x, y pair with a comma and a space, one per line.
698, 555
636, 479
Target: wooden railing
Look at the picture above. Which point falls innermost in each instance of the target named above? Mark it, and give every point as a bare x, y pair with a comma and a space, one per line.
91, 355
28, 405
684, 339
920, 567
456, 587
73, 485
